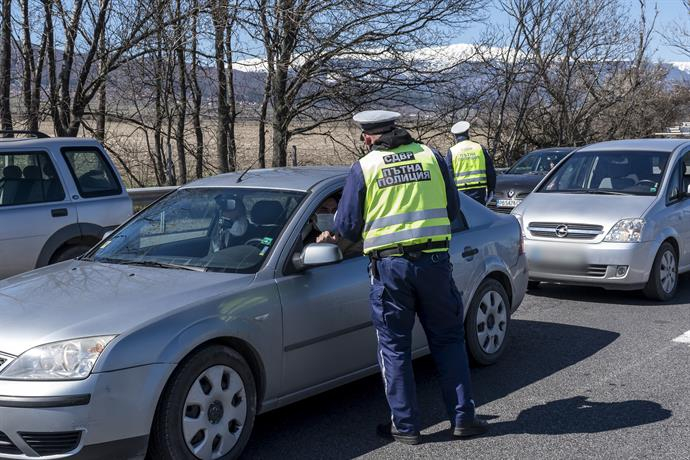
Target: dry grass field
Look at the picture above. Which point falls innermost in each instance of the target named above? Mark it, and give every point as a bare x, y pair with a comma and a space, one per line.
130, 147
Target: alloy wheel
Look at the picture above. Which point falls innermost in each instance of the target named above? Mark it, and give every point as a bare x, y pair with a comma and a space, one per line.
668, 272
214, 412
492, 319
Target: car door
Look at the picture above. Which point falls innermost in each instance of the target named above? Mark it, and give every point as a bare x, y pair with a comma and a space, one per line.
33, 207
327, 326
682, 221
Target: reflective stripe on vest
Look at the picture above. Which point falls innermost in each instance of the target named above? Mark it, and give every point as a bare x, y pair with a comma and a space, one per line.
469, 165
405, 200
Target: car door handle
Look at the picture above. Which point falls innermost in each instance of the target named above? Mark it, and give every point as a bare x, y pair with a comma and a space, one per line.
469, 252
59, 212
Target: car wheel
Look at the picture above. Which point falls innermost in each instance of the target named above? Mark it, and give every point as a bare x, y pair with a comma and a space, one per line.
663, 280
208, 408
487, 323
69, 253
532, 285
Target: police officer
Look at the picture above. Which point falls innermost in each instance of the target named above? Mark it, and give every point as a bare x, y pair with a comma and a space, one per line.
400, 199
472, 168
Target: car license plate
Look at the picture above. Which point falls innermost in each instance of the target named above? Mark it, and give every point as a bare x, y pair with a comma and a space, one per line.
507, 203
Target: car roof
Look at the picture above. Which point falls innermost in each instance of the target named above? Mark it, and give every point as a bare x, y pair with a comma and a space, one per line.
302, 178
655, 145
552, 150
41, 142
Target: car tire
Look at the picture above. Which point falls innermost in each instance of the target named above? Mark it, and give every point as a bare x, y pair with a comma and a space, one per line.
532, 285
69, 253
663, 280
487, 323
207, 409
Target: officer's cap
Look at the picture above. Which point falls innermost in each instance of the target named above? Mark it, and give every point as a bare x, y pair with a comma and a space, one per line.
376, 121
460, 127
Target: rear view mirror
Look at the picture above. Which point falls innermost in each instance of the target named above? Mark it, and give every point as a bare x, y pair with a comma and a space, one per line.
107, 234
314, 255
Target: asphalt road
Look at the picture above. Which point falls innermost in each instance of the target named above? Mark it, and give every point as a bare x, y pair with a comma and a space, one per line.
589, 374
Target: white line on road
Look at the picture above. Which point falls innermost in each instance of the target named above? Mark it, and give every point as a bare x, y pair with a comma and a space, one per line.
685, 338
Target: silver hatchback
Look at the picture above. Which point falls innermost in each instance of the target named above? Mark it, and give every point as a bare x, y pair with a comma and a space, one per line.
614, 214
209, 307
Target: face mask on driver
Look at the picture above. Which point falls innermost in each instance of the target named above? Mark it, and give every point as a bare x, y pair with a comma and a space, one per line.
324, 222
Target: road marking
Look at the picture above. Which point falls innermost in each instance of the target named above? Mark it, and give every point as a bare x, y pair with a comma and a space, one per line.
685, 338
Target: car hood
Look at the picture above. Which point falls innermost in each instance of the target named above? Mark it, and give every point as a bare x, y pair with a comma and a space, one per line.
83, 299
520, 183
574, 208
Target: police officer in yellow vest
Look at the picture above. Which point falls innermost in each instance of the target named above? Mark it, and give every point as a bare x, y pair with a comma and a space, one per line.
472, 168
400, 200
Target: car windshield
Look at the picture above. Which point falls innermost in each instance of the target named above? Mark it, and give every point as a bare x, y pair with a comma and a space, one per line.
609, 173
537, 163
204, 229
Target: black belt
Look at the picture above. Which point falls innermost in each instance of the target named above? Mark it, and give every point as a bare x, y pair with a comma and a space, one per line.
410, 250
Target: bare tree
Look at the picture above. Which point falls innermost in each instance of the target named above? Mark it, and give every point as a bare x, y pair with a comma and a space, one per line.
6, 65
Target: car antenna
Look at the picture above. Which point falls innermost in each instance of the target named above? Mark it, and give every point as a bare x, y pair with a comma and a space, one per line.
239, 179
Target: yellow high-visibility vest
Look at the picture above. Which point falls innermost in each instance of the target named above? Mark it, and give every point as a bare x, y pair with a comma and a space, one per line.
469, 165
406, 201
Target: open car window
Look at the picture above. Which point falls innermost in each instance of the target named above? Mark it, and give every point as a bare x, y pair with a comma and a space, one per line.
215, 229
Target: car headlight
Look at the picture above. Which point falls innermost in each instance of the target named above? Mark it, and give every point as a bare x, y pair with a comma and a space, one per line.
626, 231
68, 360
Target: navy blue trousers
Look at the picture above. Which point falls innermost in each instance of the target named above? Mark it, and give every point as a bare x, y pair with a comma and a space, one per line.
425, 287
478, 194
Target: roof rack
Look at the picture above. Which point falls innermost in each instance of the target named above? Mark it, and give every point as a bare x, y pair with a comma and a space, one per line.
36, 134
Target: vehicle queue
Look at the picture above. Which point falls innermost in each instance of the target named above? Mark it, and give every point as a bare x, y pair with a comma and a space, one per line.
198, 280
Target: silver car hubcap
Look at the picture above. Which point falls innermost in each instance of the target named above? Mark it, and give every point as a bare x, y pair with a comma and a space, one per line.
214, 412
668, 272
492, 319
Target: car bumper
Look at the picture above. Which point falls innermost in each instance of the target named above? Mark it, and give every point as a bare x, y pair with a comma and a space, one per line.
105, 413
602, 263
520, 278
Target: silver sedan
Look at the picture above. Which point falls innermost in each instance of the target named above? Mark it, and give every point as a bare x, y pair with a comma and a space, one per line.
209, 307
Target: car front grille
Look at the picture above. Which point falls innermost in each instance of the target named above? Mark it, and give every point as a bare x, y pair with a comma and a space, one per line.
52, 443
592, 270
565, 231
7, 446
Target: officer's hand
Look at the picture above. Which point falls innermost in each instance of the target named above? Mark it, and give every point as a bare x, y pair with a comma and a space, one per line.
327, 237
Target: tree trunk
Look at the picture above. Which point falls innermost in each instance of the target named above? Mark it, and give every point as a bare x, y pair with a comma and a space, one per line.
219, 17
102, 95
182, 100
196, 94
262, 121
6, 65
29, 68
232, 107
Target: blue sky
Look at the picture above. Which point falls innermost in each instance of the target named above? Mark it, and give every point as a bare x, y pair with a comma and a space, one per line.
669, 12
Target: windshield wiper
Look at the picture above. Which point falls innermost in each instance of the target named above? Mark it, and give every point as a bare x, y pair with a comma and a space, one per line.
604, 192
148, 263
151, 263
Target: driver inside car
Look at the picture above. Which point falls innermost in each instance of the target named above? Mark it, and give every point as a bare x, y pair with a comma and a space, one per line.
232, 223
321, 221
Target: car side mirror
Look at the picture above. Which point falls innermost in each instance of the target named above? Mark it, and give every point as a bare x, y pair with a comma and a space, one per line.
314, 255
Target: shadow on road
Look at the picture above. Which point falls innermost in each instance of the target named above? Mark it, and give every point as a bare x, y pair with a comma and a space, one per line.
603, 296
579, 415
341, 422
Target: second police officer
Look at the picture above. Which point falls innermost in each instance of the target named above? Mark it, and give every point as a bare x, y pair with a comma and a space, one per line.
401, 200
473, 170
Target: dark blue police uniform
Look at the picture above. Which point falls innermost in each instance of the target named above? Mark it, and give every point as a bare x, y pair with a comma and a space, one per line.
403, 287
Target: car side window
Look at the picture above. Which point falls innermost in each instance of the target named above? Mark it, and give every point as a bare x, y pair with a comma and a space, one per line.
674, 191
92, 173
27, 178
